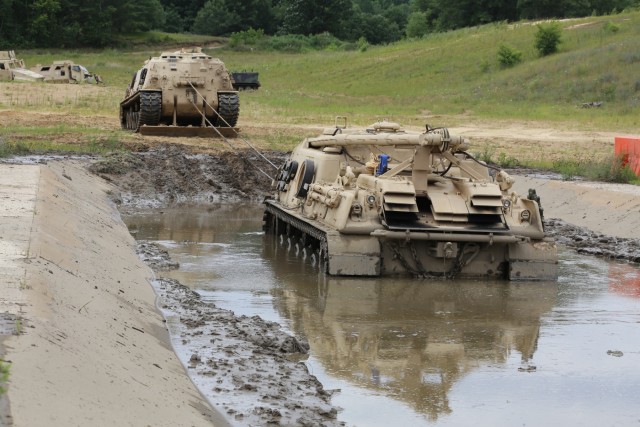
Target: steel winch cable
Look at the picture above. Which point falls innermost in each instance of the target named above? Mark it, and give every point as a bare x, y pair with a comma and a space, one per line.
228, 125
226, 140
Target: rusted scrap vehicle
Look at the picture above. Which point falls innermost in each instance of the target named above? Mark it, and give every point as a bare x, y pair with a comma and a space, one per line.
184, 93
385, 201
65, 71
12, 68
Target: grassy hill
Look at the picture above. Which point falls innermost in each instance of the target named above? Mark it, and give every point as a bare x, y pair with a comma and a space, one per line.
455, 74
458, 73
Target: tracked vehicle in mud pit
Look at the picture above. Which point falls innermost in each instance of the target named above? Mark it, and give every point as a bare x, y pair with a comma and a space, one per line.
385, 201
185, 93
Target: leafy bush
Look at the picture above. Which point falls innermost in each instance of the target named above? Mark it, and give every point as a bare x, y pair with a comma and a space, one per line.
508, 56
547, 38
249, 37
292, 43
610, 27
505, 161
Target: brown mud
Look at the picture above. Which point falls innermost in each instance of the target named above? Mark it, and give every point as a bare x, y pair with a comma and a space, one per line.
171, 173
250, 366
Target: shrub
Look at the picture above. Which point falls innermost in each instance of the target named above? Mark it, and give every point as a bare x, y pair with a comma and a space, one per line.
610, 27
547, 39
508, 56
249, 37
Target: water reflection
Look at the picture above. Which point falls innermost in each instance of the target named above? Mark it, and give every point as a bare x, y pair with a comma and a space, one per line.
412, 339
408, 352
624, 279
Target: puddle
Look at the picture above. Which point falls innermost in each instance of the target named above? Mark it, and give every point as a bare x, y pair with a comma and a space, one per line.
413, 352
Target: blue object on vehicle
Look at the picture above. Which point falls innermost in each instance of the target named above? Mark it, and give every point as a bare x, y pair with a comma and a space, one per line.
382, 167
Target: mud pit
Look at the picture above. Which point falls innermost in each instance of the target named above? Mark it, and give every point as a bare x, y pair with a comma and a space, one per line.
172, 174
233, 349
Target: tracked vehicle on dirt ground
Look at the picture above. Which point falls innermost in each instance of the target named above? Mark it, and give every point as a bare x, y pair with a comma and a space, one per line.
185, 93
385, 201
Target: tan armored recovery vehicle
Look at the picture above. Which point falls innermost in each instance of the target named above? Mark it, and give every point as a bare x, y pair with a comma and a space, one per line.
12, 68
385, 201
181, 94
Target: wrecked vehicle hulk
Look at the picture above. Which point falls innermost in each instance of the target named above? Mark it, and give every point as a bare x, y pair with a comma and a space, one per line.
385, 201
65, 71
12, 68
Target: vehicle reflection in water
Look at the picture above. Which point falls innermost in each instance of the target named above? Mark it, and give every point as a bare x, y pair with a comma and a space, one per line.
424, 352
413, 339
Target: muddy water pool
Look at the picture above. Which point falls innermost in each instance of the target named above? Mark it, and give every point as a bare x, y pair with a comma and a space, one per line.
414, 352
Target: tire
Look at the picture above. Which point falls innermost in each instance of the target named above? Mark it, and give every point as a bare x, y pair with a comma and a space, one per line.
150, 109
228, 109
307, 171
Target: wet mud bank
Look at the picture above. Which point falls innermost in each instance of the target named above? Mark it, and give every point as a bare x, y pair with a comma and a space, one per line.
588, 242
253, 370
170, 174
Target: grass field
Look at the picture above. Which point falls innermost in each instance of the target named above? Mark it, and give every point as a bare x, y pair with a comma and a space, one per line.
454, 73
444, 79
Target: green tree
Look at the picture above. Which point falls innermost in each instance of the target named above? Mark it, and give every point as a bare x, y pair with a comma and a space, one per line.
378, 30
547, 38
223, 17
45, 24
174, 22
417, 25
314, 16
215, 19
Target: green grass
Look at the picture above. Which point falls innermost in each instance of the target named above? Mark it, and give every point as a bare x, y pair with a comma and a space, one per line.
23, 140
458, 73
449, 74
608, 169
4, 375
443, 79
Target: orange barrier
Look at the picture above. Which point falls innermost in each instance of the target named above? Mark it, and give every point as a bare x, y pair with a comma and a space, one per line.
624, 279
629, 149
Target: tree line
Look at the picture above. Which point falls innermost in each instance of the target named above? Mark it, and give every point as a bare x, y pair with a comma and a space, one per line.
98, 23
